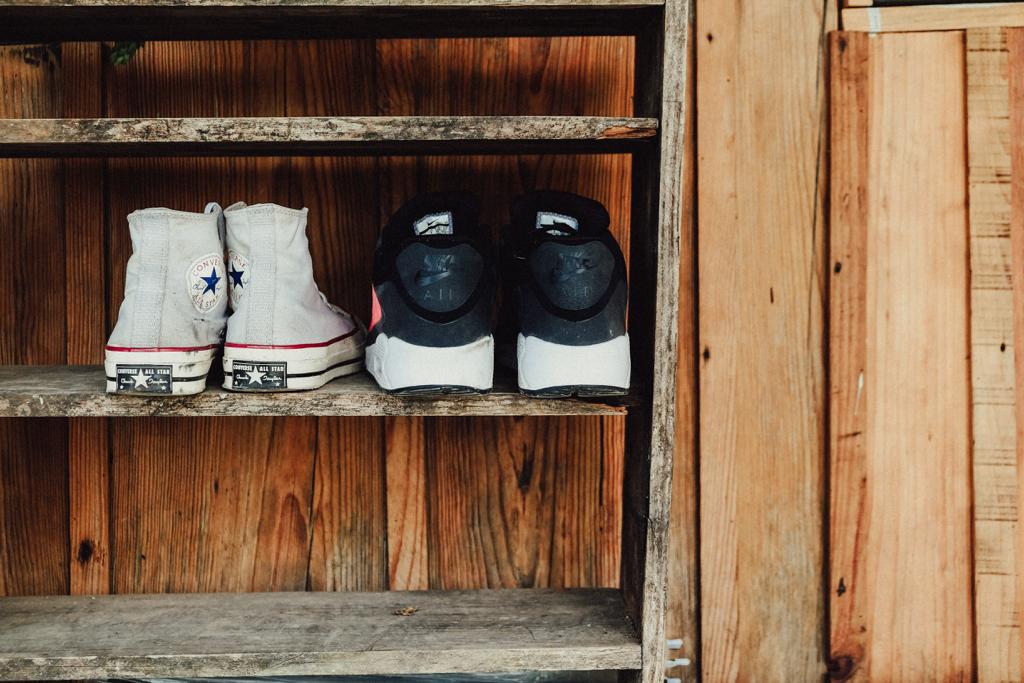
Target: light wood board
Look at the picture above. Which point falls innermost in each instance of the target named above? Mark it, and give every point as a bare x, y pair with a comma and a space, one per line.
992, 357
936, 17
761, 114
900, 535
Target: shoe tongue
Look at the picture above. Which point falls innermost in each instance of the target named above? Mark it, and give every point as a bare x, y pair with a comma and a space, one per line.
556, 223
441, 223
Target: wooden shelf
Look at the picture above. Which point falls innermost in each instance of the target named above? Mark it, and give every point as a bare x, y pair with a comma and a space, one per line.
308, 634
322, 135
79, 391
64, 20
936, 17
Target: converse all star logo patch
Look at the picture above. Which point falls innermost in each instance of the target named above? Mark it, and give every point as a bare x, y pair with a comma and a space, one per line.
205, 282
238, 276
254, 376
144, 379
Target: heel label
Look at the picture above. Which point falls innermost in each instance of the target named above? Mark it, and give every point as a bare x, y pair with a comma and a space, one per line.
254, 376
144, 379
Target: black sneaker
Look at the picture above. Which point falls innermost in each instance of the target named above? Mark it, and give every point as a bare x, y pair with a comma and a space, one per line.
570, 297
433, 299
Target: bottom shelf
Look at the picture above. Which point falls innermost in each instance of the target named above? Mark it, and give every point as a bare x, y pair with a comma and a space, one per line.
308, 634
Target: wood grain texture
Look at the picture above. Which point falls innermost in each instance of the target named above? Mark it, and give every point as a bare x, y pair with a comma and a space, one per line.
654, 327
480, 505
408, 552
316, 135
282, 634
78, 391
34, 554
761, 184
88, 444
682, 614
994, 461
238, 493
901, 506
1015, 50
936, 17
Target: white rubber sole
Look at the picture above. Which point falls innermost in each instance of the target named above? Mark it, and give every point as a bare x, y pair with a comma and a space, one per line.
157, 373
403, 367
262, 369
558, 370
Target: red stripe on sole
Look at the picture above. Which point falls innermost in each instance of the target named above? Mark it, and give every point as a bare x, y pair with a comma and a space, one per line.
292, 346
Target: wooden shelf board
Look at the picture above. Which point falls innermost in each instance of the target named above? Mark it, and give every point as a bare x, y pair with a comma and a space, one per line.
78, 391
307, 634
946, 17
57, 20
321, 135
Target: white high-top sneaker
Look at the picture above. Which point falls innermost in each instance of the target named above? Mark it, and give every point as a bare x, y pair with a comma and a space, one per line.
282, 335
171, 323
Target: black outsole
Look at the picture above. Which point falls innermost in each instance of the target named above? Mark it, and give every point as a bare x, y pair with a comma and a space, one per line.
437, 390
576, 391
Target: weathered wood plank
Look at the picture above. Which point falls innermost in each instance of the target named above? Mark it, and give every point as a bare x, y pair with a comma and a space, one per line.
350, 533
281, 634
88, 447
900, 532
34, 555
1015, 49
761, 140
323, 135
936, 17
992, 358
78, 391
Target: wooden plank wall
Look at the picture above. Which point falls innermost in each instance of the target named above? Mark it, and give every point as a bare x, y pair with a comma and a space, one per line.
993, 356
761, 115
89, 506
900, 408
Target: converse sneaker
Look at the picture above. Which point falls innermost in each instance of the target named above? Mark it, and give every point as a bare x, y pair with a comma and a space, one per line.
171, 322
570, 297
283, 335
433, 299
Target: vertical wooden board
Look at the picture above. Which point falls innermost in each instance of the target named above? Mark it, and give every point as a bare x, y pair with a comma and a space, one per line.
997, 624
901, 506
761, 179
515, 502
406, 464
33, 462
239, 492
85, 258
234, 516
490, 76
681, 604
1015, 49
349, 532
349, 517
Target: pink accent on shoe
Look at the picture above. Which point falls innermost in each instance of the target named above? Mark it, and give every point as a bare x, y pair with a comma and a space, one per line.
377, 313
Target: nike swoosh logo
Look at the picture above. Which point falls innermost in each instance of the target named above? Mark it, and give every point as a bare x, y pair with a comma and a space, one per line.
425, 279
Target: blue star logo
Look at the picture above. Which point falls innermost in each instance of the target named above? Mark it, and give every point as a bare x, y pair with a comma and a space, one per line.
211, 281
236, 277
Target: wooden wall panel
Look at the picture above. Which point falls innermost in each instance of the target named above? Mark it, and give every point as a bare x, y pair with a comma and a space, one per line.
900, 520
33, 464
463, 517
261, 504
760, 146
1015, 49
992, 358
